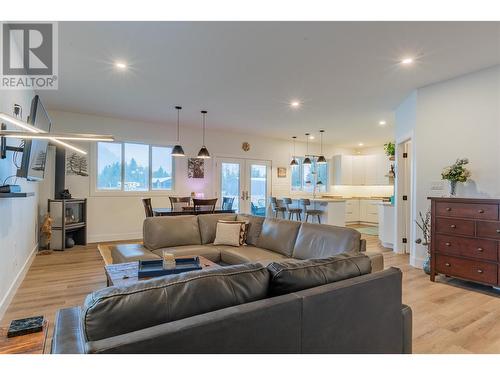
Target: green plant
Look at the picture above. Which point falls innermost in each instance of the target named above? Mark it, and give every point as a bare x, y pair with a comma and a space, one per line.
456, 172
390, 149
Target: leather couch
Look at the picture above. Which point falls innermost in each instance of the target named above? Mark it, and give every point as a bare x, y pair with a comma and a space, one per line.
330, 305
268, 240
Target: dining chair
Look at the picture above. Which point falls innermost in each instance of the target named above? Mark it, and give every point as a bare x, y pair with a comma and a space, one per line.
297, 211
197, 203
305, 203
148, 208
275, 206
227, 203
179, 202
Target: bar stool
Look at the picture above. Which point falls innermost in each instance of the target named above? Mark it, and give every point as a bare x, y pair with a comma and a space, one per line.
292, 210
317, 213
277, 208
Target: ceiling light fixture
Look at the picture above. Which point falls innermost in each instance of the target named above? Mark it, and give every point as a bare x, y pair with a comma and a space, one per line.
294, 162
321, 158
295, 104
203, 153
407, 61
120, 65
177, 150
361, 144
307, 160
382, 122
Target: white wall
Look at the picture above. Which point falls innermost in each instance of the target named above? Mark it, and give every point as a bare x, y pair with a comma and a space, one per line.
114, 217
454, 119
18, 216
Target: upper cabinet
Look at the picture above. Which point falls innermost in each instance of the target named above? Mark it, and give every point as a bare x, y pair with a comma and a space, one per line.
360, 170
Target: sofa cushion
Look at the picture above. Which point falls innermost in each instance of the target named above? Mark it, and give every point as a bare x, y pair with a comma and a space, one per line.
293, 275
166, 231
321, 241
124, 253
247, 254
278, 235
208, 225
208, 251
254, 227
117, 310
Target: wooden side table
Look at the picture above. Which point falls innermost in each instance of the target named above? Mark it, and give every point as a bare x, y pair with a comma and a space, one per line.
32, 343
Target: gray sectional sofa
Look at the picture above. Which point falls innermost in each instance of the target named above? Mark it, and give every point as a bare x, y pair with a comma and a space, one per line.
295, 288
268, 240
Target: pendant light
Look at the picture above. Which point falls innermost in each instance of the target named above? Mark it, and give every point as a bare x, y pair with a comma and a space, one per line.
321, 159
307, 161
294, 162
203, 154
177, 150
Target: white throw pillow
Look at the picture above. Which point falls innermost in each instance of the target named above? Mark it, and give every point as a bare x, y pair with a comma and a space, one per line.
228, 234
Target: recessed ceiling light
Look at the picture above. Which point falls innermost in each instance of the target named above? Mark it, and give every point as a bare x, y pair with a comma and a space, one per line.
295, 104
120, 65
382, 122
407, 61
361, 144
311, 137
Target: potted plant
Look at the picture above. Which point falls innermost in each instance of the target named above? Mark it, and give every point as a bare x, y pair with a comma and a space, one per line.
424, 223
390, 150
456, 173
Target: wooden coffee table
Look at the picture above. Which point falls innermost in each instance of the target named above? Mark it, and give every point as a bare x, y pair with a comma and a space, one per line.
123, 274
32, 343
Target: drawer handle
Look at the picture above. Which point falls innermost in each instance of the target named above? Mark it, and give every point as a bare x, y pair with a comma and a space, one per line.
480, 211
480, 249
479, 271
448, 208
448, 244
453, 226
498, 230
447, 264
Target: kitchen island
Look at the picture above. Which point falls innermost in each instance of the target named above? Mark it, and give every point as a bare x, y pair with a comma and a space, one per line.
333, 210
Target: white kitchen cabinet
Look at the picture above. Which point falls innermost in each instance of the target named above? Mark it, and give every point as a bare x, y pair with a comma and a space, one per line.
368, 211
352, 210
360, 170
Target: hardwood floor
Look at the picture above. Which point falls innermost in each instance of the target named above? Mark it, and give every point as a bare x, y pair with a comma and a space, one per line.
449, 316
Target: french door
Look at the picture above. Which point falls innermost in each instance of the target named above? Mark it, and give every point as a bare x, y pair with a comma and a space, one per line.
247, 181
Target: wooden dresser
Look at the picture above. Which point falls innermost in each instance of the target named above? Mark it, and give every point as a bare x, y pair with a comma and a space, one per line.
465, 236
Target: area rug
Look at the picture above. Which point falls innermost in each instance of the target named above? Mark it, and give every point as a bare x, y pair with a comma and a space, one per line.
372, 231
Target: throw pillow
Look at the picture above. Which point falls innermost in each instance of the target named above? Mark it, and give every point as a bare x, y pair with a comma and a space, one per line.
243, 228
231, 234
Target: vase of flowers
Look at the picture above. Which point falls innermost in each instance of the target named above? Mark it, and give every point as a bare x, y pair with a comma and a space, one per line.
456, 173
390, 150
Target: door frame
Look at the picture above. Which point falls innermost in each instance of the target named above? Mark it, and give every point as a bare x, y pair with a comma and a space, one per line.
245, 164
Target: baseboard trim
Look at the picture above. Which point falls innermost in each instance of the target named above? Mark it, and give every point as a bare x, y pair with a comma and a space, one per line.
11, 292
96, 238
417, 262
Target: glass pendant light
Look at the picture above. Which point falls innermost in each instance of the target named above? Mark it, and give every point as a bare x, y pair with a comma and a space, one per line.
294, 162
203, 153
177, 150
321, 159
307, 161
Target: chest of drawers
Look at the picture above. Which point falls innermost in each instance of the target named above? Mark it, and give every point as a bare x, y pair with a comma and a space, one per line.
465, 238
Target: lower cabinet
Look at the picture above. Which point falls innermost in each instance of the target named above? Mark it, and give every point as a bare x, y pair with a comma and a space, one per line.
362, 210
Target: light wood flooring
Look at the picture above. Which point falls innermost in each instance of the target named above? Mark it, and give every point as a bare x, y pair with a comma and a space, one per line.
448, 316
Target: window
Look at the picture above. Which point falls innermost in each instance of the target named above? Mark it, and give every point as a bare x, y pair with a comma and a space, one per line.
133, 167
304, 177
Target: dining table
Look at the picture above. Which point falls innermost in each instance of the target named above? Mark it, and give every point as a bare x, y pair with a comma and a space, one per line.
168, 211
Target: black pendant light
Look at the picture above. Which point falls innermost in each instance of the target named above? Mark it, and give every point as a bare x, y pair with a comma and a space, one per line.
294, 162
321, 159
307, 161
177, 150
203, 153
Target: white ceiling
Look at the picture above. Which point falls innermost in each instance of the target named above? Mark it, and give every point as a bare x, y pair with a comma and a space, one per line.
244, 73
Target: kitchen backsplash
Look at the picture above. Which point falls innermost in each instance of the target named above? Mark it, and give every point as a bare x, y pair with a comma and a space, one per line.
362, 191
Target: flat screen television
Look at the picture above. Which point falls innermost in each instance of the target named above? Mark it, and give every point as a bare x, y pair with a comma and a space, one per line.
35, 150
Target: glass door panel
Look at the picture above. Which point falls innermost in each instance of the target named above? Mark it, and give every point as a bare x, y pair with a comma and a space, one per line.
230, 183
258, 190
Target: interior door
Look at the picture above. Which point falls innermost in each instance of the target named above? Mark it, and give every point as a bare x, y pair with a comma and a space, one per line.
247, 181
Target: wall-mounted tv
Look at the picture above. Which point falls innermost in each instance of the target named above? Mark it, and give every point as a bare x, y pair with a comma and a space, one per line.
35, 150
